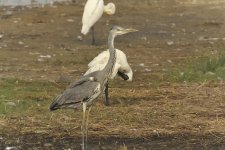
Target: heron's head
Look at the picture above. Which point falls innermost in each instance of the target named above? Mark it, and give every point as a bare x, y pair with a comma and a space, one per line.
110, 9
117, 30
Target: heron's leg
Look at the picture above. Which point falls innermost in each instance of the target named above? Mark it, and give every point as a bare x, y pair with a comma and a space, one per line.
88, 112
107, 94
93, 35
83, 124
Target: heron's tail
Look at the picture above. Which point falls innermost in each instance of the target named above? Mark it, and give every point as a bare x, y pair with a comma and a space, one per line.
85, 29
55, 105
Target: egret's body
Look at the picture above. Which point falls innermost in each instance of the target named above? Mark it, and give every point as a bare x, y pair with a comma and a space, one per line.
121, 68
93, 11
121, 64
84, 91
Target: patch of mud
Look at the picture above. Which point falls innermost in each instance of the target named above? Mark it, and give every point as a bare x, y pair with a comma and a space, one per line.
45, 141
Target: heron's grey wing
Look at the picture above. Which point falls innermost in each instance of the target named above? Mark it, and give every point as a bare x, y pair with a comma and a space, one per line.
81, 81
73, 96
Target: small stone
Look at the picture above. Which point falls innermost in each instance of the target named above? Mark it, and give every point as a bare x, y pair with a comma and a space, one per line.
210, 73
170, 43
10, 148
40, 59
70, 20
169, 61
142, 64
79, 38
45, 56
47, 144
144, 38
21, 42
10, 104
148, 70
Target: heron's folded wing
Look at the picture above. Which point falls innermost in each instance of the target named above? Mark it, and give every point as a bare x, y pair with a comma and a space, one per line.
73, 96
81, 81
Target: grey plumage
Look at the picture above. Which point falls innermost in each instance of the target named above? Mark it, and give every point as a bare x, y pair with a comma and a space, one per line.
77, 93
85, 90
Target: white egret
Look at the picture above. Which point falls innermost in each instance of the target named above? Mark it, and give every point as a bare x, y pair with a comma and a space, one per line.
121, 68
93, 11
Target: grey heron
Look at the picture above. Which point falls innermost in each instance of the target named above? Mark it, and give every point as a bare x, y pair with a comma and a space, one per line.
93, 11
84, 91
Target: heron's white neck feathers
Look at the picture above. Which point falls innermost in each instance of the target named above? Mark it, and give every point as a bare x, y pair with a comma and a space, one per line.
110, 9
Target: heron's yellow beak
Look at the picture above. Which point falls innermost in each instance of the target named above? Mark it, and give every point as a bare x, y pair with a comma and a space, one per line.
122, 31
131, 30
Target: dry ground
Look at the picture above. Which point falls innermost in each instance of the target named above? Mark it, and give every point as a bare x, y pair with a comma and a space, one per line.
39, 46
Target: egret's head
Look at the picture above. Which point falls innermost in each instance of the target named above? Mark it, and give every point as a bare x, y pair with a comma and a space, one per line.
130, 75
117, 30
110, 9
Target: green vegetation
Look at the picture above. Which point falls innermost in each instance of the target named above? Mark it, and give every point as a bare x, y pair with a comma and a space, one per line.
19, 96
205, 69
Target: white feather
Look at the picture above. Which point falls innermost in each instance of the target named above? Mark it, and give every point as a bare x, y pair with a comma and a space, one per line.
100, 61
93, 11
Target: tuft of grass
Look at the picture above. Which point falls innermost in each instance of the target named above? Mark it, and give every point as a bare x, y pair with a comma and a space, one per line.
205, 69
124, 147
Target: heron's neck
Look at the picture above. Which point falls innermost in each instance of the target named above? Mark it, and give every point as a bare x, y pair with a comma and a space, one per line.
112, 55
111, 41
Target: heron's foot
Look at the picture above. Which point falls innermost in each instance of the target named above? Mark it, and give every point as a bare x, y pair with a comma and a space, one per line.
106, 102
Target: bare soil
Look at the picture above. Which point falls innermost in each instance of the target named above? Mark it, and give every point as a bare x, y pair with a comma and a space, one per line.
43, 43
